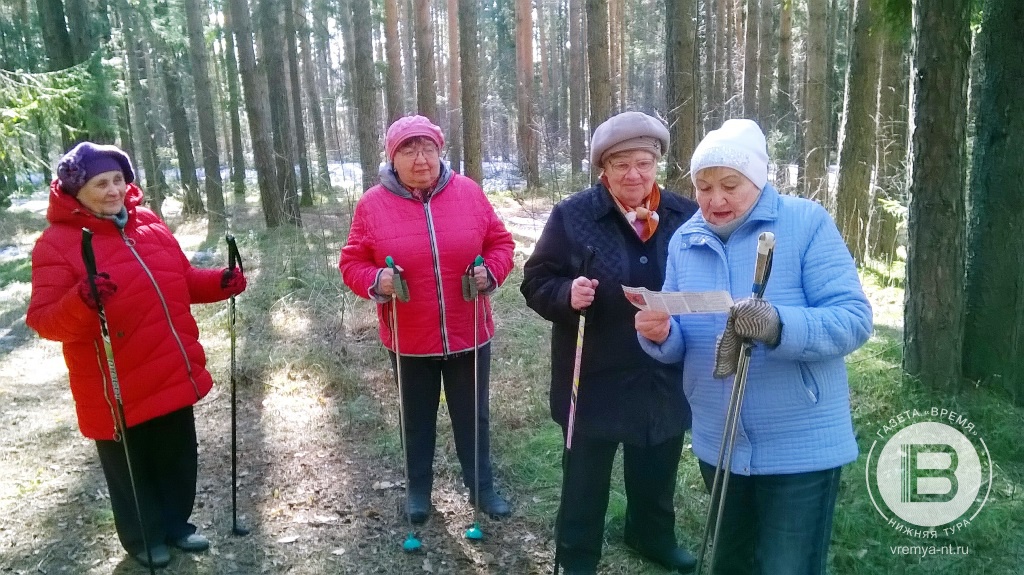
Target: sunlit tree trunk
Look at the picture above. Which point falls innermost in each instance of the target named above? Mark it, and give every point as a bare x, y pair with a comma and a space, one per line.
207, 117
891, 180
234, 105
257, 106
750, 24
323, 175
455, 88
393, 51
295, 98
470, 59
857, 134
600, 71
577, 87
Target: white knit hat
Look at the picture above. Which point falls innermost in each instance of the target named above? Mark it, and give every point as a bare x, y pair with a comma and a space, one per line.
738, 144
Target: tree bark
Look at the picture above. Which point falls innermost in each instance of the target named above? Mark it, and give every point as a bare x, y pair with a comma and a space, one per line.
994, 321
600, 71
207, 117
470, 57
815, 104
426, 74
393, 49
577, 87
192, 203
890, 190
257, 104
234, 104
935, 262
295, 92
857, 135
280, 110
750, 60
455, 88
323, 174
680, 94
366, 89
525, 130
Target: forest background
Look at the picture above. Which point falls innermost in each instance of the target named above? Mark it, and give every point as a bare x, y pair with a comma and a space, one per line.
265, 118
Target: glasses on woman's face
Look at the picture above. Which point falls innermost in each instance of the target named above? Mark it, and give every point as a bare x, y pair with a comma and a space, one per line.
622, 167
412, 152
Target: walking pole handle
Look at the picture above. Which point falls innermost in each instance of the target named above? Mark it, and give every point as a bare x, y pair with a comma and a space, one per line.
401, 288
89, 259
234, 258
469, 290
763, 267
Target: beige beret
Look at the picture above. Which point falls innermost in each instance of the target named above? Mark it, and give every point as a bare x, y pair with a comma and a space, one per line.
645, 131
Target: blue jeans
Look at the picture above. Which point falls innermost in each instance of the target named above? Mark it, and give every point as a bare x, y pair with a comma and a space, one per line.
775, 524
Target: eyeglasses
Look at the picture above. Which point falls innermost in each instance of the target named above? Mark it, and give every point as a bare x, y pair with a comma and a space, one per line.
410, 153
622, 168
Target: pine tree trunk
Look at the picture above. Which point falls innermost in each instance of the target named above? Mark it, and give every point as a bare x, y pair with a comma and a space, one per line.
680, 94
577, 87
140, 101
784, 111
750, 60
366, 89
393, 84
765, 74
470, 56
935, 262
994, 321
857, 136
323, 174
600, 70
525, 132
295, 93
194, 9
192, 203
257, 103
426, 75
280, 109
455, 89
815, 104
893, 116
234, 105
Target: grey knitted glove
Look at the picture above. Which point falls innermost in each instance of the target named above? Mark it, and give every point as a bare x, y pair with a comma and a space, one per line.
727, 351
757, 319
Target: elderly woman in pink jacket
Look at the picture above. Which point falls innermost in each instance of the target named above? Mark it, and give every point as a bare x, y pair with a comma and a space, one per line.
433, 223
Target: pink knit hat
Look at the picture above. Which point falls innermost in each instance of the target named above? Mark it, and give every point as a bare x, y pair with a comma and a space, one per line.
410, 127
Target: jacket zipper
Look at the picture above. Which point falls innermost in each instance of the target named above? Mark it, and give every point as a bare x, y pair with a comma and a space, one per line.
167, 313
437, 278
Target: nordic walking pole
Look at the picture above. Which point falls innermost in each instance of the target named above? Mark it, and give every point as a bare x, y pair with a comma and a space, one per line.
121, 425
723, 468
401, 293
584, 271
471, 293
234, 258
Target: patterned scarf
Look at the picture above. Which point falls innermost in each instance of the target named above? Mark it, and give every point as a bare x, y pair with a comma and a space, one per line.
644, 218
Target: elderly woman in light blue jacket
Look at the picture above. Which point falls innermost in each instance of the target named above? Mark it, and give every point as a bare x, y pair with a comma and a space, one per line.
795, 430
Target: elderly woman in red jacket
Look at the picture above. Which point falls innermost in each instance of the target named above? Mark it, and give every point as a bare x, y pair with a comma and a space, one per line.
433, 223
146, 286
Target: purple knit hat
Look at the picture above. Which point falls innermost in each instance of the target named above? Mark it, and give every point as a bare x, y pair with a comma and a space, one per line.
86, 161
411, 127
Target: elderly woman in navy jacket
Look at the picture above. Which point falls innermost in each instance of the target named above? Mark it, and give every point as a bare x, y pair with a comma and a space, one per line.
795, 430
624, 397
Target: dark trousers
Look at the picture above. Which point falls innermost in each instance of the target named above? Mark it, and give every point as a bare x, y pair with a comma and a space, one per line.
649, 475
421, 393
775, 524
164, 458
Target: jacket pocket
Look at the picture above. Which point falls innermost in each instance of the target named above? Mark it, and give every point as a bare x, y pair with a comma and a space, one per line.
810, 382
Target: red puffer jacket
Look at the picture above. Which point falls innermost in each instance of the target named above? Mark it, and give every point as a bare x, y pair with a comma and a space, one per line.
161, 366
433, 242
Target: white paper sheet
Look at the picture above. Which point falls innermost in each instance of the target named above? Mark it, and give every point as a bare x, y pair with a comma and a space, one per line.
675, 303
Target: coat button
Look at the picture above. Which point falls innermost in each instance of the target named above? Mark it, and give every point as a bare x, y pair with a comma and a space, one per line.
643, 259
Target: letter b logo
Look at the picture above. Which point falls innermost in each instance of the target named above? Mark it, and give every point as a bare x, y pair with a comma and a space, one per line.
928, 474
